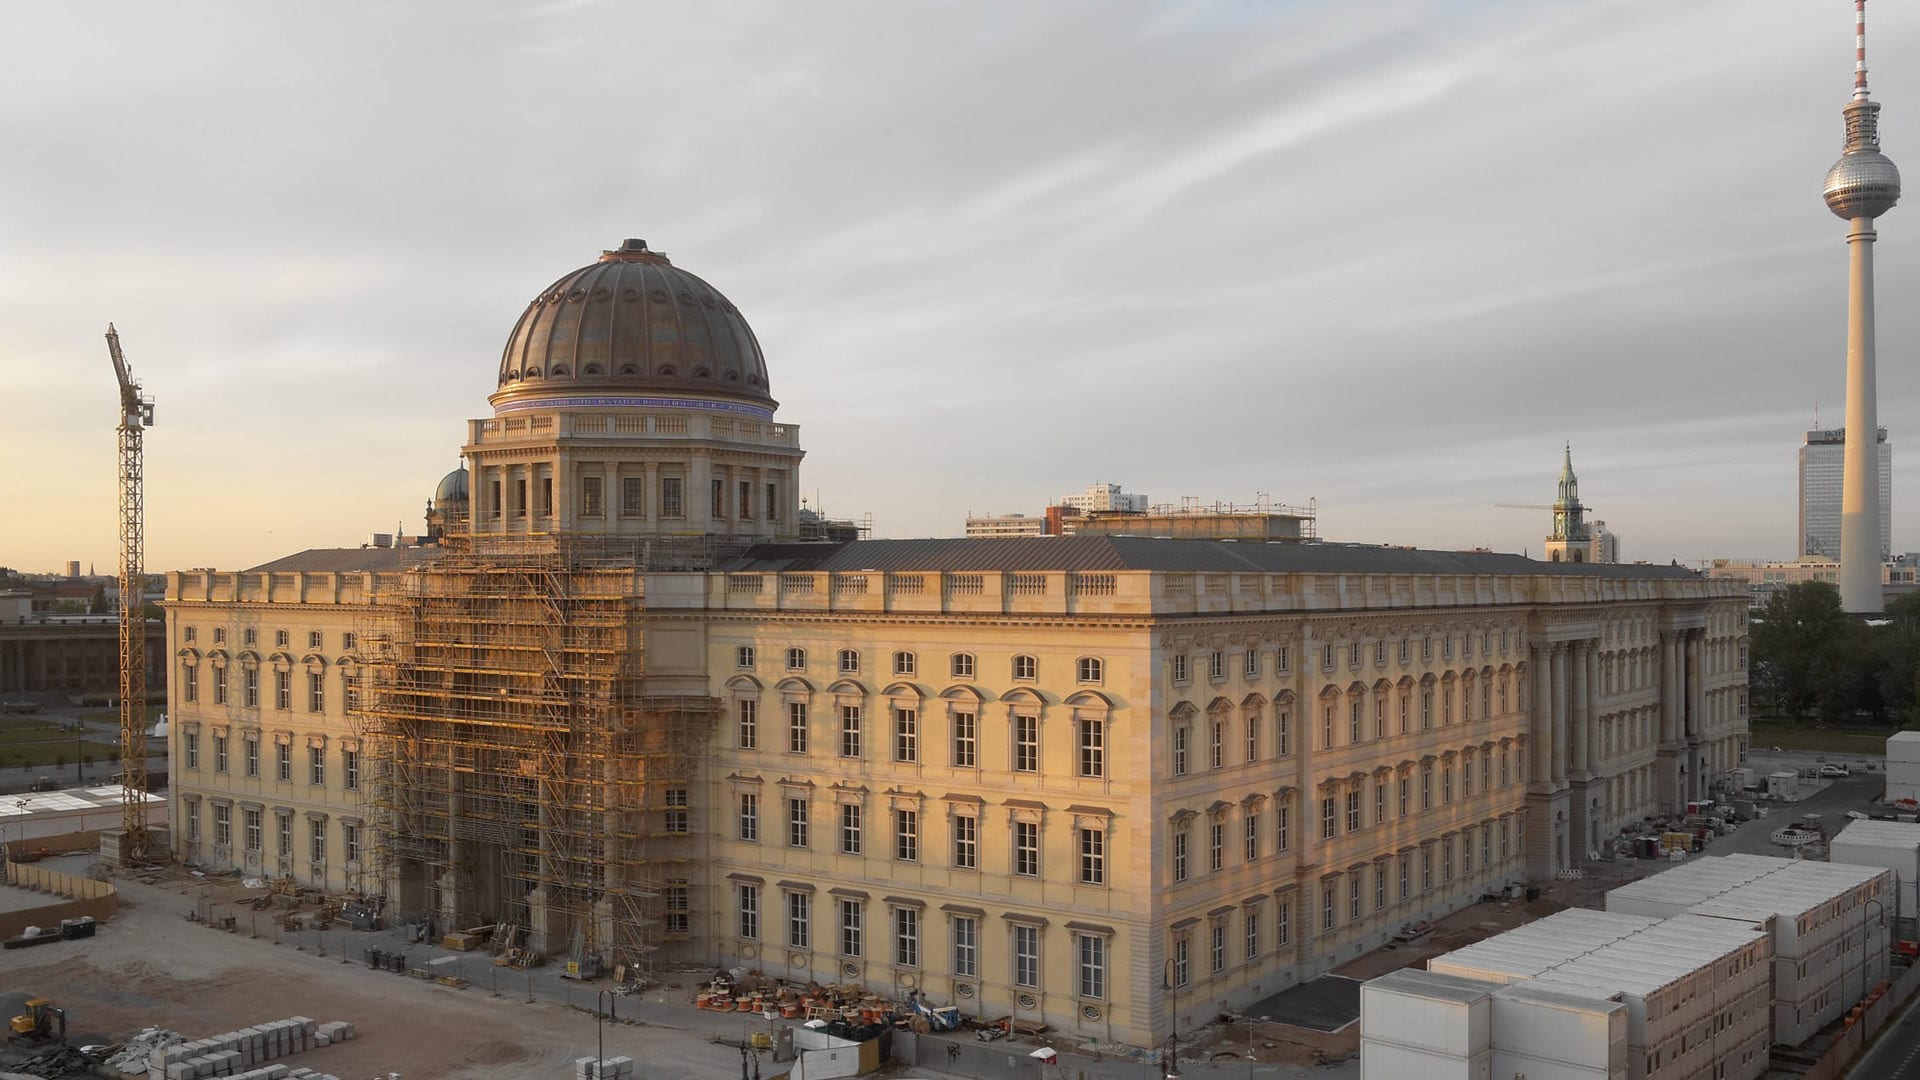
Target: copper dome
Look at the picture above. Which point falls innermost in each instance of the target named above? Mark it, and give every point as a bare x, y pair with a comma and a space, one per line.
631, 322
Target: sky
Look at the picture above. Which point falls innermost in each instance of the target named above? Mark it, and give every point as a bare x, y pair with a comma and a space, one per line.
1388, 257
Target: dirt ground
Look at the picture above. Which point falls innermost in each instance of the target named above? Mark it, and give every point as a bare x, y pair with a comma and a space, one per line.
150, 966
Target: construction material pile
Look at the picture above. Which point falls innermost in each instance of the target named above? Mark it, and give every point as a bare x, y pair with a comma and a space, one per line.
615, 1068
244, 1053
752, 992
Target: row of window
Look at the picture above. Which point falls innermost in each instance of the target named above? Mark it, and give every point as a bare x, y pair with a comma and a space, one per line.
251, 638
283, 758
1254, 748
1025, 668
905, 742
1390, 876
316, 689
252, 831
905, 925
849, 836
633, 498
1331, 653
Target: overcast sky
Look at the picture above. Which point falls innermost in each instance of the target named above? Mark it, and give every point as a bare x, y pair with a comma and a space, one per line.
1388, 256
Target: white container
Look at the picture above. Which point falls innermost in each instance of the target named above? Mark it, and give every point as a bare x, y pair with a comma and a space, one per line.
1385, 1061
1419, 1010
1891, 845
1543, 1034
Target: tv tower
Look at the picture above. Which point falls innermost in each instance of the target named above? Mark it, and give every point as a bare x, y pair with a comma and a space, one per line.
1861, 186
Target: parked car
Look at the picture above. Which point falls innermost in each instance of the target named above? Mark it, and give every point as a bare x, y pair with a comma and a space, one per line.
1830, 771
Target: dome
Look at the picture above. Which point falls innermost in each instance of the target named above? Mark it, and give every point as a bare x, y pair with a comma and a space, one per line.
1864, 183
452, 489
631, 322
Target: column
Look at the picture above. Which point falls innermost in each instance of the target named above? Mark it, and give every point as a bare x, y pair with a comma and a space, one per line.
1541, 770
1596, 744
1560, 718
1669, 687
652, 504
1578, 737
1696, 684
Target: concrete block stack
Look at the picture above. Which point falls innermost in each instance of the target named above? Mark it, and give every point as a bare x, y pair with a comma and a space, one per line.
615, 1068
245, 1054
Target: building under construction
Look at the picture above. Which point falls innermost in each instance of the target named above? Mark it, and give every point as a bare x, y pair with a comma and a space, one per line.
523, 775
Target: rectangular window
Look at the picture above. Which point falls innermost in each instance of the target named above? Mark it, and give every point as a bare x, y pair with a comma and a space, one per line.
1406, 794
1466, 853
1329, 817
850, 731
546, 496
317, 766
350, 691
1486, 845
719, 499
1353, 654
850, 828
1446, 860
966, 841
1379, 802
672, 497
1380, 886
251, 819
1251, 917
1253, 738
853, 918
191, 740
1426, 710
633, 496
317, 842
1026, 848
906, 735
1328, 656
280, 639
1093, 857
350, 764
1216, 665
747, 715
316, 692
966, 946
1426, 869
1406, 885
797, 823
799, 920
1180, 736
1446, 785
906, 936
1093, 966
749, 904
252, 698
906, 835
743, 657
284, 828
1180, 668
251, 754
219, 686
1466, 776
1251, 668
1327, 908
1217, 846
1026, 743
1356, 710
190, 684
1026, 955
219, 753
749, 816
1283, 733
1283, 923
592, 502
1326, 728
675, 819
1426, 787
1282, 660
1180, 855
1182, 970
1253, 836
1282, 827
1353, 810
283, 690
1093, 747
1217, 946
1356, 889
966, 740
222, 825
773, 501
350, 841
1217, 744
1403, 713
746, 499
796, 727
283, 762
219, 635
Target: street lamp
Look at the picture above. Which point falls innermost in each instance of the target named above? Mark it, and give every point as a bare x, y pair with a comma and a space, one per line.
1865, 949
599, 1029
1170, 1050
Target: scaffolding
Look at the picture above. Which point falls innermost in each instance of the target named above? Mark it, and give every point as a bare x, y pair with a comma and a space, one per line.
524, 776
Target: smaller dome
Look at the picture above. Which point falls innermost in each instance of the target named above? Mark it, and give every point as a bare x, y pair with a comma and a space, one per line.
452, 489
1862, 184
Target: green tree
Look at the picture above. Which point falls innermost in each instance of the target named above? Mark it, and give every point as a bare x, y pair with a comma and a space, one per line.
1796, 642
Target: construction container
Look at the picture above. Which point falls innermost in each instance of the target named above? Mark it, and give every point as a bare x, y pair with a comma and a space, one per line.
1783, 785
1526, 951
1891, 845
1418, 1023
1903, 766
1541, 1032
1674, 891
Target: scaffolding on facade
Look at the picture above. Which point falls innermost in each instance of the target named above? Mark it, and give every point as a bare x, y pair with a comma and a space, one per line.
523, 774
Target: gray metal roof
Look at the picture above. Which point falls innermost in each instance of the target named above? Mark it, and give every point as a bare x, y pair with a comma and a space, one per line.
1036, 554
345, 560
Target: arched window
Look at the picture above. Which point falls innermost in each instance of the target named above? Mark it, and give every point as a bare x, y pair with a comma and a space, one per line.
1092, 669
1026, 667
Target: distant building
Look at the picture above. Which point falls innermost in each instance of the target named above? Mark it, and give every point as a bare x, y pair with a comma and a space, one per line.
1102, 498
1572, 539
1006, 525
73, 654
1194, 520
1821, 466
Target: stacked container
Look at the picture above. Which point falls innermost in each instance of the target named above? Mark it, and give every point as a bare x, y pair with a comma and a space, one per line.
1891, 845
1420, 1024
1542, 1032
1903, 766
1526, 951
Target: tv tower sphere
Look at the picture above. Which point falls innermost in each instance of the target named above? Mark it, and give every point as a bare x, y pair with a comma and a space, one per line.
1862, 184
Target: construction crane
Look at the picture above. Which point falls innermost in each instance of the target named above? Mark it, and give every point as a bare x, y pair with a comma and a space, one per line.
136, 415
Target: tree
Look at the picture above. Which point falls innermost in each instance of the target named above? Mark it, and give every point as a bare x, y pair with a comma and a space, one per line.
1796, 641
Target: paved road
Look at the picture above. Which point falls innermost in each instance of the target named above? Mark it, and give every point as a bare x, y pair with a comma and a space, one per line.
1896, 1056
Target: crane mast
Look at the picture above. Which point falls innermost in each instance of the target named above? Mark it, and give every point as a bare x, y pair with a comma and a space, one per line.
136, 415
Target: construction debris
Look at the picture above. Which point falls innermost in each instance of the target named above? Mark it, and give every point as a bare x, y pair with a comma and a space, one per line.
241, 1054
